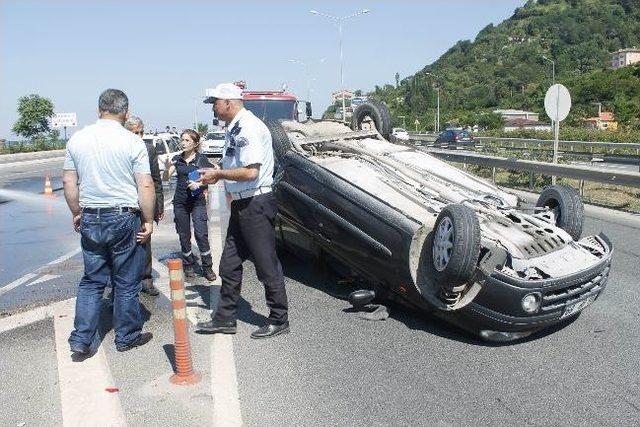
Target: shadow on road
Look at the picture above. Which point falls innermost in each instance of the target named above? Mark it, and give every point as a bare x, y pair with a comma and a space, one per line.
323, 278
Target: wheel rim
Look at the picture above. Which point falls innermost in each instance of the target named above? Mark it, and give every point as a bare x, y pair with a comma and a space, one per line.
443, 244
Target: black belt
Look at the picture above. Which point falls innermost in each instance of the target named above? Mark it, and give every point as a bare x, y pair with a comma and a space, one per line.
109, 210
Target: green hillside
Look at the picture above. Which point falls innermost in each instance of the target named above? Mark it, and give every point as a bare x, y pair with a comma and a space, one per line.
504, 67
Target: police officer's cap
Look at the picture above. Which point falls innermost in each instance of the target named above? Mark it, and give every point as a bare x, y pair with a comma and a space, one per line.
223, 91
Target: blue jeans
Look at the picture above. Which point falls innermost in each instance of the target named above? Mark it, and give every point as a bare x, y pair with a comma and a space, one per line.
110, 251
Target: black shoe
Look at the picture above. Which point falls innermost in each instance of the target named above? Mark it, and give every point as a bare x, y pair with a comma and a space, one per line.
209, 274
188, 271
144, 338
79, 349
270, 330
217, 327
149, 289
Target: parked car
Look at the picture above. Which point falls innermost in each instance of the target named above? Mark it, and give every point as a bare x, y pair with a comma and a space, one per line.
213, 144
400, 134
431, 236
167, 145
455, 138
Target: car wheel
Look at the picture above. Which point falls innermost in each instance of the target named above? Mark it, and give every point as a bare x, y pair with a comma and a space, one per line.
376, 112
386, 118
279, 138
566, 206
455, 247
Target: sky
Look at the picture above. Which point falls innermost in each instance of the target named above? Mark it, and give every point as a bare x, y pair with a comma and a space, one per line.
164, 54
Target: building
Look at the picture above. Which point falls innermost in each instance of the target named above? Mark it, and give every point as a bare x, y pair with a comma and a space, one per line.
337, 96
517, 124
508, 115
624, 57
604, 121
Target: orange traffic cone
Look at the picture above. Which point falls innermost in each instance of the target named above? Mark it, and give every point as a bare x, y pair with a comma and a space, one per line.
48, 191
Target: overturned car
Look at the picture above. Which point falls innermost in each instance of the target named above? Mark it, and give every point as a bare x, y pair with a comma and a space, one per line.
431, 236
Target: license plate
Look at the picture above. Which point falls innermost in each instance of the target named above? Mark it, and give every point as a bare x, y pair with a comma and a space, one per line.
577, 306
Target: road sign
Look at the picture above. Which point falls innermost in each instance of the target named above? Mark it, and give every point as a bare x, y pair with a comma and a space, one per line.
63, 120
557, 102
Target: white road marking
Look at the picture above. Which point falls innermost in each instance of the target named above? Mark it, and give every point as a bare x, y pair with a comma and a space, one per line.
43, 279
17, 283
65, 256
224, 383
29, 276
84, 385
26, 318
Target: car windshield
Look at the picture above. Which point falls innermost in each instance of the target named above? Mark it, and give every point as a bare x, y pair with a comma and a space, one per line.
271, 110
214, 135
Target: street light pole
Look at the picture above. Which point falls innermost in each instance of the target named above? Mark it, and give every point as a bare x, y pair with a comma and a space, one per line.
553, 69
437, 118
339, 20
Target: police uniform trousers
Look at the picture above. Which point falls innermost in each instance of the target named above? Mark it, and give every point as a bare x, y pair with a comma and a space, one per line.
251, 235
196, 212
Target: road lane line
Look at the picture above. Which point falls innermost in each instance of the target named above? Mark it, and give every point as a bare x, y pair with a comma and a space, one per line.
83, 385
65, 256
224, 383
17, 283
26, 318
43, 279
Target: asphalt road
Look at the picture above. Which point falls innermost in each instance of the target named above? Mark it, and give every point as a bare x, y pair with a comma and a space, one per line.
333, 368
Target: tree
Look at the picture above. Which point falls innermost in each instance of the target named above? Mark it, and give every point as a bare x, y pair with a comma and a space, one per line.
397, 80
34, 112
202, 128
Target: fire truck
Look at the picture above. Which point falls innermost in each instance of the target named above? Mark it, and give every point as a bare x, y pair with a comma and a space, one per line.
274, 104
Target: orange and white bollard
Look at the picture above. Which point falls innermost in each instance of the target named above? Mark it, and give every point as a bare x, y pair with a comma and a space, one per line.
185, 374
48, 191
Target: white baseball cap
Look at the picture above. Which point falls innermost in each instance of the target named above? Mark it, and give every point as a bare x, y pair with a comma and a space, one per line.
223, 91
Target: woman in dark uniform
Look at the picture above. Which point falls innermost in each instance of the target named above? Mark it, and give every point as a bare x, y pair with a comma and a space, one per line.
189, 203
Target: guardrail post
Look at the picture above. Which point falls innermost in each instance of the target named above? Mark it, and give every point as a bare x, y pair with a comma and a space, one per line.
581, 188
532, 180
493, 175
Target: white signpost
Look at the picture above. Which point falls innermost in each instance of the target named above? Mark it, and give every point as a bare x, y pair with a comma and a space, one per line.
557, 103
62, 120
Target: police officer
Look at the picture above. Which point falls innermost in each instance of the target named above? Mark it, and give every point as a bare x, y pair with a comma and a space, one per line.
189, 203
247, 168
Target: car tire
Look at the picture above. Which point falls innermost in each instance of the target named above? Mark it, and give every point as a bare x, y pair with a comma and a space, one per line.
386, 118
454, 248
567, 206
279, 139
377, 114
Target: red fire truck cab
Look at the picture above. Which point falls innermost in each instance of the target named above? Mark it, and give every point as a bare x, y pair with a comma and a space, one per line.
275, 105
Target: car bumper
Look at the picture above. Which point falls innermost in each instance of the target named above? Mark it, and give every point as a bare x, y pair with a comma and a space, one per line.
497, 308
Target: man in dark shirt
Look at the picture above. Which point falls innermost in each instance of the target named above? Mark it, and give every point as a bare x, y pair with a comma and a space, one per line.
135, 125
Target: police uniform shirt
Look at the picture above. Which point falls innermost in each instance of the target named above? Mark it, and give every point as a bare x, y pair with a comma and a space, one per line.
183, 169
248, 142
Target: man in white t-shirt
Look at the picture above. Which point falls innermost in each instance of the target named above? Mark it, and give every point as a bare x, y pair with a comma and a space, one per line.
109, 190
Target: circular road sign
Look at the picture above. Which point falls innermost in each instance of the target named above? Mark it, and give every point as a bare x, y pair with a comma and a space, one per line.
557, 102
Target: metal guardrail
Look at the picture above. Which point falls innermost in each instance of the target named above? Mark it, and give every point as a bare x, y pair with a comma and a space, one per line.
631, 179
33, 155
594, 144
525, 141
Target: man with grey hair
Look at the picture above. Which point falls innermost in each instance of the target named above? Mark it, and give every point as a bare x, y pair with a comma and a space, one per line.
135, 125
109, 191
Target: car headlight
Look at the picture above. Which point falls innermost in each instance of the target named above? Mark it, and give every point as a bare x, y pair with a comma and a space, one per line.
530, 303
